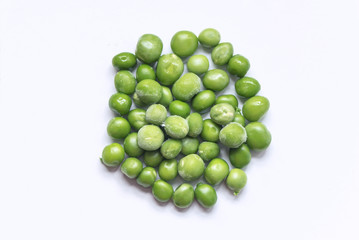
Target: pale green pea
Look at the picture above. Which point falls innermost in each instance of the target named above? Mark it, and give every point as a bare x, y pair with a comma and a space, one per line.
191, 167
209, 37
216, 80
169, 69
233, 135
171, 148
149, 91
176, 127
208, 150
195, 124
198, 64
189, 145
150, 137
222, 53
186, 87
156, 114
184, 43
222, 113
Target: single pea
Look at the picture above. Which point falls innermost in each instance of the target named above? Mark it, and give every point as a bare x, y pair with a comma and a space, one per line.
125, 82
184, 43
137, 118
131, 146
238, 118
113, 155
233, 135
171, 148
189, 145
186, 87
131, 167
149, 91
149, 48
216, 171
198, 64
152, 158
162, 191
150, 137
179, 108
156, 114
208, 150
240, 157
203, 101
236, 180
183, 196
247, 87
169, 69
255, 108
210, 131
137, 101
167, 97
147, 177
222, 113
120, 103
195, 124
145, 71
258, 136
238, 65
209, 37
205, 195
168, 169
118, 128
191, 167
222, 53
228, 98
176, 127
216, 80
124, 60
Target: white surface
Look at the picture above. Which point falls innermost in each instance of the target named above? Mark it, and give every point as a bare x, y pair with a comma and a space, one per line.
55, 81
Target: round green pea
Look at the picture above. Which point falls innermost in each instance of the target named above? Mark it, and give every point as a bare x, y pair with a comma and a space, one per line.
118, 128
233, 135
258, 136
176, 127
149, 91
208, 150
137, 118
209, 37
189, 145
131, 146
147, 177
255, 108
156, 114
168, 169
216, 80
203, 101
216, 171
124, 60
236, 180
205, 195
125, 82
149, 48
169, 69
198, 64
145, 71
113, 155
152, 158
238, 65
162, 191
184, 43
186, 87
247, 87
137, 101
179, 108
228, 98
238, 118
183, 196
120, 103
222, 53
150, 137
131, 167
195, 124
191, 167
240, 157
171, 148
222, 113
167, 97
210, 131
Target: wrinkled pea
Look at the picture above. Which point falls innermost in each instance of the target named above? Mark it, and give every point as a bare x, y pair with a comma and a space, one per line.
222, 113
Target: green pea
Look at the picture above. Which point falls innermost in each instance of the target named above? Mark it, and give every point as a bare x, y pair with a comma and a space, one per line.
258, 136
137, 118
169, 69
198, 64
189, 145
167, 97
152, 158
195, 124
203, 101
216, 171
236, 180
210, 131
247, 87
222, 113
131, 167
149, 91
229, 98
131, 146
184, 43
118, 128
191, 167
179, 108
171, 148
176, 127
145, 71
255, 108
209, 38
162, 191
168, 169
186, 87
238, 118
238, 65
183, 196
120, 103
156, 114
233, 135
205, 195
113, 155
147, 177
222, 53
137, 101
150, 137
149, 48
124, 60
240, 157
208, 150
216, 80
125, 82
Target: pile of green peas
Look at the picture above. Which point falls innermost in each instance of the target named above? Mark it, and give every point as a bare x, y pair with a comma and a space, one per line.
165, 135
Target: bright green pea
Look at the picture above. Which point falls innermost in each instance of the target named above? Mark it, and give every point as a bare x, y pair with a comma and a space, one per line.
169, 69
118, 128
191, 167
147, 177
203, 101
167, 97
131, 146
183, 196
145, 71
149, 91
208, 150
156, 114
113, 155
198, 64
238, 65
152, 158
125, 82
228, 98
176, 127
233, 135
240, 157
150, 137
195, 124
184, 43
162, 191
131, 167
236, 180
222, 53
137, 101
255, 108
137, 118
222, 113
238, 118
168, 169
186, 87
216, 171
209, 38
216, 80
189, 145
120, 103
171, 148
247, 87
149, 48
210, 131
124, 60
179, 108
258, 136
205, 195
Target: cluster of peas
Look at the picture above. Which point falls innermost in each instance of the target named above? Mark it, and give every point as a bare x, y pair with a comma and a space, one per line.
182, 128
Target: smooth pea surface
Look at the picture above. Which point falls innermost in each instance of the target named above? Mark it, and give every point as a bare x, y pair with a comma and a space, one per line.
125, 82
147, 177
222, 113
131, 167
131, 146
203, 101
236, 180
255, 108
186, 87
189, 145
179, 108
145, 71
152, 158
216, 171
195, 124
167, 97
233, 135
258, 136
247, 87
118, 128
169, 69
138, 101
191, 167
171, 148
149, 48
209, 37
124, 60
168, 169
150, 137
222, 53
216, 80
198, 64
156, 114
176, 127
183, 196
238, 118
210, 131
120, 103
205, 195
149, 91
137, 118
162, 191
228, 98
184, 43
208, 150
113, 155
240, 157
238, 65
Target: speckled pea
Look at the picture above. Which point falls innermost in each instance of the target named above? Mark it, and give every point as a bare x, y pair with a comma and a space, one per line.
228, 98
203, 101
120, 103
176, 127
258, 136
186, 87
216, 171
137, 118
149, 48
167, 97
216, 80
238, 65
198, 64
222, 113
168, 169
184, 43
118, 128
238, 118
131, 167
205, 195
113, 155
222, 53
236, 180
208, 150
233, 135
131, 146
210, 131
147, 177
162, 191
189, 145
137, 101
247, 87
156, 114
152, 158
240, 157
195, 124
145, 71
255, 108
191, 167
124, 60
179, 108
149, 91
209, 38
125, 82
169, 69
150, 137
171, 148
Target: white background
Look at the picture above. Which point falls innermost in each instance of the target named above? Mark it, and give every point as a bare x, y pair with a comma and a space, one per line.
55, 81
